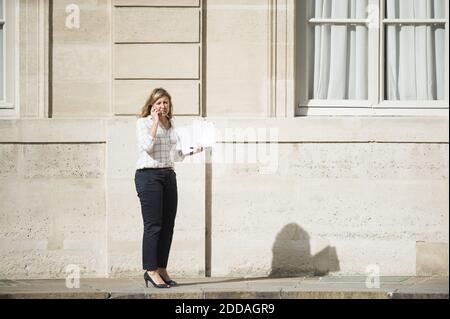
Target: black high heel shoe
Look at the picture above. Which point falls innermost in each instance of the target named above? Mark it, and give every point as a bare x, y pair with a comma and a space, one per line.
147, 278
171, 282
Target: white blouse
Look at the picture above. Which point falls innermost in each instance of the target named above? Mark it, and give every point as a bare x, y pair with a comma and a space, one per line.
161, 151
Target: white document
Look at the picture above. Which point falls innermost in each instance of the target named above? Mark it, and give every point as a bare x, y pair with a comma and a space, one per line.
200, 132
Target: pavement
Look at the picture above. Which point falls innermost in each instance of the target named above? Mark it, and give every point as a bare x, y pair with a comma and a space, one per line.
330, 287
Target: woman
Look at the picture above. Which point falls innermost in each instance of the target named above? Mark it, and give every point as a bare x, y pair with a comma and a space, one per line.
156, 184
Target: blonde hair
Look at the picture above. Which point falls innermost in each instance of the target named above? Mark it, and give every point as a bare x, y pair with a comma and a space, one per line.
155, 96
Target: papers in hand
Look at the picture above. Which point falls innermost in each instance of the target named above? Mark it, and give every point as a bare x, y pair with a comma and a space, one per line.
200, 132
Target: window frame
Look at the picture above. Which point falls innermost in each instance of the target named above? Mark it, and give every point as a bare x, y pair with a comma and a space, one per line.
375, 104
10, 48
383, 102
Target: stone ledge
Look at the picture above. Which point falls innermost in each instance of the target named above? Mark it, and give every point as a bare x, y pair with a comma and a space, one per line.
55, 295
345, 129
230, 288
420, 296
226, 295
293, 130
53, 131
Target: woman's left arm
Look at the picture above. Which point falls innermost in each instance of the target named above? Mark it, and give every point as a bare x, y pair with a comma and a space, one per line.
180, 156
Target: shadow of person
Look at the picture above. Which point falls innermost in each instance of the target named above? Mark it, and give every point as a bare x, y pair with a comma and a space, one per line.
292, 255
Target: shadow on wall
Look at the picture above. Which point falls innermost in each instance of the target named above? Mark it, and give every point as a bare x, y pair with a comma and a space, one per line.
292, 255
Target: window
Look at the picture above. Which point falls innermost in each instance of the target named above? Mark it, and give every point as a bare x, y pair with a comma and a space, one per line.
414, 33
372, 53
339, 50
7, 59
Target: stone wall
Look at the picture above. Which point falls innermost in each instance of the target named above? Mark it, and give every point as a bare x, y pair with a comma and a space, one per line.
314, 195
53, 204
315, 202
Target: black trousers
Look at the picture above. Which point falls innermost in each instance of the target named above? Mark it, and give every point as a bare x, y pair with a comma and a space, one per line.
157, 191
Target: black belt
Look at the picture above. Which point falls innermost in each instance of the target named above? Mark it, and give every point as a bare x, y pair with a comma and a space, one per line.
155, 168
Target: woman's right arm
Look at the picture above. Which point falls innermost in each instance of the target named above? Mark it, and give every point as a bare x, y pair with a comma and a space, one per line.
153, 129
146, 137
154, 112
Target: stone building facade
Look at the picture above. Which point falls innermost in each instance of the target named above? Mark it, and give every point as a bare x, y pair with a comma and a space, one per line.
342, 185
